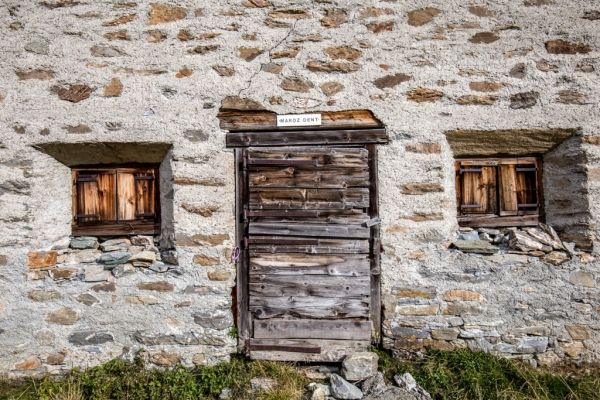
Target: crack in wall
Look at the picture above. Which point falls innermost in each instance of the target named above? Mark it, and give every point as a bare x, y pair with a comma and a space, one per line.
270, 51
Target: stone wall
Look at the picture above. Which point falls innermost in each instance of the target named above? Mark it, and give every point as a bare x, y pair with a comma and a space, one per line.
141, 72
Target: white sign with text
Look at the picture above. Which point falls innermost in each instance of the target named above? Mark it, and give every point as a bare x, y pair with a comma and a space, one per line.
298, 119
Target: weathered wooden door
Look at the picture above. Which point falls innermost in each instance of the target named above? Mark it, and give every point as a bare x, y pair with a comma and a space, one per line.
309, 233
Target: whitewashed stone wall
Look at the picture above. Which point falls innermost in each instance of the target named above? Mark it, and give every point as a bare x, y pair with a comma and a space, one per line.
102, 71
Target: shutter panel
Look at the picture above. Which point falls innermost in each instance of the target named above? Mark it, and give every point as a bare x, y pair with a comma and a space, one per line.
508, 190
478, 188
137, 194
145, 192
519, 187
126, 191
95, 196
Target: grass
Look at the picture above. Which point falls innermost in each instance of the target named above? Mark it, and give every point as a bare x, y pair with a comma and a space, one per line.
469, 375
459, 375
132, 381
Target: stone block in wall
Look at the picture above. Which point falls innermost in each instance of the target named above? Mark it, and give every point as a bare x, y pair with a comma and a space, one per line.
41, 259
461, 295
427, 292
115, 257
165, 359
217, 319
463, 309
141, 300
87, 299
421, 188
582, 278
573, 349
43, 295
417, 310
64, 316
578, 331
95, 273
62, 273
160, 286
162, 13
90, 337
3, 260
445, 334
399, 332
30, 364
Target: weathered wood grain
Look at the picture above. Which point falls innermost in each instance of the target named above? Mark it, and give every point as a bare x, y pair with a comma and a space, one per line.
265, 120
308, 199
497, 221
309, 229
331, 350
312, 329
243, 316
309, 285
307, 138
116, 229
309, 307
324, 156
352, 217
299, 177
375, 254
325, 246
310, 264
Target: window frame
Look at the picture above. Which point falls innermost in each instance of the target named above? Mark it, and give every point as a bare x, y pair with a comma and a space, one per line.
500, 217
144, 226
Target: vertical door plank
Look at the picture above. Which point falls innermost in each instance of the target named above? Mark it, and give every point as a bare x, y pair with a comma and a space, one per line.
127, 195
242, 277
375, 305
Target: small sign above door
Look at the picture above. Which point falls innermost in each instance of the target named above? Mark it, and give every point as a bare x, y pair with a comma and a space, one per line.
299, 120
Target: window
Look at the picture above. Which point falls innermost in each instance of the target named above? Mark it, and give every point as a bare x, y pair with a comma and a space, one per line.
499, 192
116, 201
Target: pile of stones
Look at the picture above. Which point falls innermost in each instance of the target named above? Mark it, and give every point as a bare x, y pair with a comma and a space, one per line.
120, 256
367, 382
540, 241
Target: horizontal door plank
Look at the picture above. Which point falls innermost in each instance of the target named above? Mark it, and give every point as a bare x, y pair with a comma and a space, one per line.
310, 264
309, 285
309, 307
330, 157
331, 350
307, 138
235, 120
312, 329
348, 217
308, 199
309, 229
296, 177
325, 246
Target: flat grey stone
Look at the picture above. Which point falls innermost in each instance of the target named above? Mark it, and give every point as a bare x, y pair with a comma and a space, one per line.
123, 270
359, 366
37, 47
159, 267
115, 257
90, 337
405, 381
374, 385
403, 332
473, 235
170, 257
489, 231
84, 242
262, 384
479, 345
475, 246
217, 319
95, 273
531, 345
395, 393
342, 389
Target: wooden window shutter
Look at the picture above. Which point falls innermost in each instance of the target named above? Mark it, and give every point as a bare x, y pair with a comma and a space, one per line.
136, 194
94, 196
519, 188
478, 190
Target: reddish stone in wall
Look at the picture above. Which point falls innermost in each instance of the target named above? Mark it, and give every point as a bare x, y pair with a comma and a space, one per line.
41, 259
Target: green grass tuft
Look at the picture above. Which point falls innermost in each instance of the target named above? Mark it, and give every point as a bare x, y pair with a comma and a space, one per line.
467, 375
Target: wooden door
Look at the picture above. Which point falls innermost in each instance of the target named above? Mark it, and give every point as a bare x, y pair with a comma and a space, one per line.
310, 242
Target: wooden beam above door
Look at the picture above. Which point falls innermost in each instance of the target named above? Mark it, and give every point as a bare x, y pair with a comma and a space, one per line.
237, 121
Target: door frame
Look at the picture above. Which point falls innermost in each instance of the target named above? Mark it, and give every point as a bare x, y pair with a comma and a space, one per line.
258, 129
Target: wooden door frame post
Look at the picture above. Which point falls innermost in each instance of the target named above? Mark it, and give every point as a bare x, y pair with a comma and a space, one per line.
375, 250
